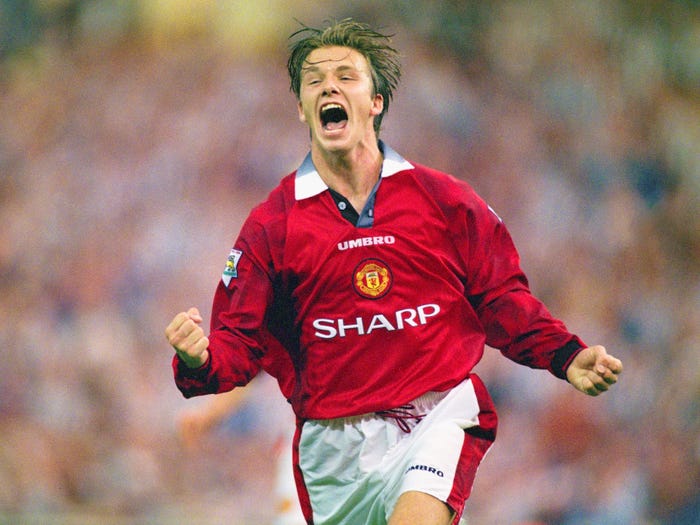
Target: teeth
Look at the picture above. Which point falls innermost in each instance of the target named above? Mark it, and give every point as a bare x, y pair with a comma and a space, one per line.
331, 106
332, 116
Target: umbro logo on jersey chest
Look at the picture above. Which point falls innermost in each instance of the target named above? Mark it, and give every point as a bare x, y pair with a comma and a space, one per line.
366, 241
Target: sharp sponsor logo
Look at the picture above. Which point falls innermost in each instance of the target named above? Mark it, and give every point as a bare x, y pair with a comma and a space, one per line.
366, 241
399, 320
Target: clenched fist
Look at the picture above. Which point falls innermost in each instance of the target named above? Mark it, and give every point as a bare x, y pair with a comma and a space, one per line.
186, 336
593, 370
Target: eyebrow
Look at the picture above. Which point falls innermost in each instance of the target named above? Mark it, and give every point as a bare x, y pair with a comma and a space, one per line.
313, 68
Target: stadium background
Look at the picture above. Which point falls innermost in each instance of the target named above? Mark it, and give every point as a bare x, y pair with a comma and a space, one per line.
135, 135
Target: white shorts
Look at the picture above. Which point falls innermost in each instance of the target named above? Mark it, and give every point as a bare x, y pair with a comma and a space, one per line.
354, 469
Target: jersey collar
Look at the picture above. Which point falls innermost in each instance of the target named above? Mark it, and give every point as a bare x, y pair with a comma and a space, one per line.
309, 183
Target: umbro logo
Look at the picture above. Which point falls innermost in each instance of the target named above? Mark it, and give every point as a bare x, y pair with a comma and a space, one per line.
432, 470
366, 241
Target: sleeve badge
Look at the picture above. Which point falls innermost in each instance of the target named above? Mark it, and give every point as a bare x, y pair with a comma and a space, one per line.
231, 269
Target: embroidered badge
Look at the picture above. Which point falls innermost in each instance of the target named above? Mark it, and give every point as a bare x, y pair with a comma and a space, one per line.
231, 270
372, 278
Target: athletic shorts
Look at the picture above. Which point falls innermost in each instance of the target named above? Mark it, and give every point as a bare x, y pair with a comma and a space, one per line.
352, 470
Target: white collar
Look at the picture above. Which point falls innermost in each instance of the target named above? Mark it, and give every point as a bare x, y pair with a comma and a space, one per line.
309, 183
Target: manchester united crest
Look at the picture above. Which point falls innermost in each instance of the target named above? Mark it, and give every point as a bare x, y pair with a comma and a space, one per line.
372, 278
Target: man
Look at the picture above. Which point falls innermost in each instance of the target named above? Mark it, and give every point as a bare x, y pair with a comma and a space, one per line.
381, 280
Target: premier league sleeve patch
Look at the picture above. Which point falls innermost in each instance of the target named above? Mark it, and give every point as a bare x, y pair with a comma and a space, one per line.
231, 270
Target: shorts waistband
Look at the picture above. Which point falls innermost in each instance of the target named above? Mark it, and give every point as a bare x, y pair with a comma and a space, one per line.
409, 415
413, 411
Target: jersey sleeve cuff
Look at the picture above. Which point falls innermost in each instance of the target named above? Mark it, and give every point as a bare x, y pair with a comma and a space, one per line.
198, 374
563, 357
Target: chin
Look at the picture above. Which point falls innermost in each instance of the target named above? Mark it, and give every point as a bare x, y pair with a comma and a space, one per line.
333, 144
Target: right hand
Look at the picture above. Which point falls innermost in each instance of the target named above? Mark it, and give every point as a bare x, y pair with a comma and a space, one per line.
186, 336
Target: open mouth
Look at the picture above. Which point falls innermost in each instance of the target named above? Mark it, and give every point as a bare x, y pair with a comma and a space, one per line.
333, 116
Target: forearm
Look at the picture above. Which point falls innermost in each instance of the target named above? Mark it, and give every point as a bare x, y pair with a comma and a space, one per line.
231, 363
519, 325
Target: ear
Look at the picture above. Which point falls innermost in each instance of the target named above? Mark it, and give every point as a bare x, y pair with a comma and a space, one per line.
377, 105
300, 109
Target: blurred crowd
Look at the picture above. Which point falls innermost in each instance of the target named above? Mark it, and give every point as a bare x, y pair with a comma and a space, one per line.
134, 140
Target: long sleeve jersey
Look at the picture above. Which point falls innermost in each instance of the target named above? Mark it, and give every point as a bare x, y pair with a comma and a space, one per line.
353, 320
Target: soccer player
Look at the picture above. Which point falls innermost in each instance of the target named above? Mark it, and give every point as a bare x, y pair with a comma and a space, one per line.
381, 280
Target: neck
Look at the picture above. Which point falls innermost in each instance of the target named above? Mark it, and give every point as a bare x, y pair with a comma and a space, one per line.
353, 174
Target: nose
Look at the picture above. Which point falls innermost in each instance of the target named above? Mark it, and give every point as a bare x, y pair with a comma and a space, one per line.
329, 87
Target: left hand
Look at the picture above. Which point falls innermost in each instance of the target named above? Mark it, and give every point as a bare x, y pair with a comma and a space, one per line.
593, 371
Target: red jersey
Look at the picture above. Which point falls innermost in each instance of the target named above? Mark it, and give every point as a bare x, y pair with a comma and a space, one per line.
353, 320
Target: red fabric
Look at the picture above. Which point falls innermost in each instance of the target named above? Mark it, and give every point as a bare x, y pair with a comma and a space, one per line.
446, 279
476, 443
